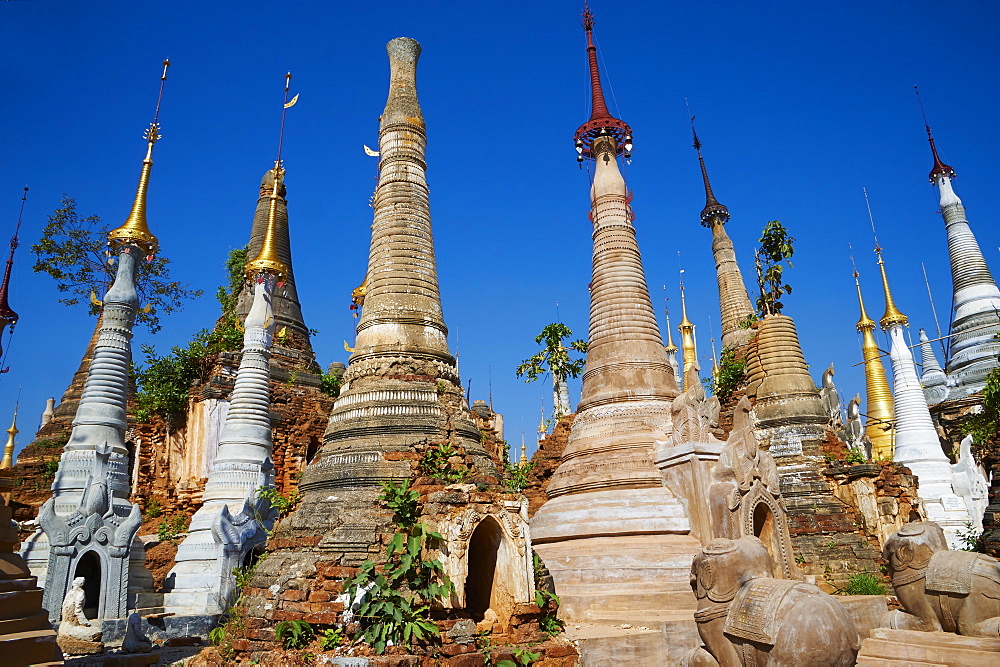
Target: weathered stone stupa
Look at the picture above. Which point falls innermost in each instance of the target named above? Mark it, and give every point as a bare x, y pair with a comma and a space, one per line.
612, 535
734, 303
233, 519
973, 347
917, 445
879, 425
401, 389
88, 528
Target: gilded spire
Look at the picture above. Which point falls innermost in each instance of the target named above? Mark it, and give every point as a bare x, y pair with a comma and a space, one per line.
713, 211
8, 451
267, 260
136, 229
670, 347
879, 408
715, 361
865, 323
686, 329
601, 121
892, 315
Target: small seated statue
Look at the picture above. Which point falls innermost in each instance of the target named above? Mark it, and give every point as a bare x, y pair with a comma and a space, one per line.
73, 622
941, 590
135, 640
747, 617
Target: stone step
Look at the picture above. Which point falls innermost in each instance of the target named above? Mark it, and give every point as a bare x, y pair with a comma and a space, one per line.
909, 647
39, 621
30, 648
20, 603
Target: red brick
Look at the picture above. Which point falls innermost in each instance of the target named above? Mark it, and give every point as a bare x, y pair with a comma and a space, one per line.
559, 651
320, 596
322, 618
294, 596
294, 606
467, 660
286, 615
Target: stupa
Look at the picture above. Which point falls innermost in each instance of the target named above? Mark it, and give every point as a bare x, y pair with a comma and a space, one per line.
88, 527
614, 538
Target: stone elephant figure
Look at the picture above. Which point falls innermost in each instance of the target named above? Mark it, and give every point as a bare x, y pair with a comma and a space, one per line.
941, 590
747, 617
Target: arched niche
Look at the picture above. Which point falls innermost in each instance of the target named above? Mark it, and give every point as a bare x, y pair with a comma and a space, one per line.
89, 567
484, 551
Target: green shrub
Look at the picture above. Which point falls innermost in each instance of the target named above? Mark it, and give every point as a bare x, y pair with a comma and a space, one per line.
731, 376
400, 592
331, 638
172, 527
434, 463
153, 509
865, 583
294, 634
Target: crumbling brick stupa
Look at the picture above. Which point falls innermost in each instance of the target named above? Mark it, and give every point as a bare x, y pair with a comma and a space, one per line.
401, 397
174, 460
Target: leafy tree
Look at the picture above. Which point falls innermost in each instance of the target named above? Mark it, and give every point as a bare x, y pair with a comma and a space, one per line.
72, 251
162, 384
554, 358
775, 248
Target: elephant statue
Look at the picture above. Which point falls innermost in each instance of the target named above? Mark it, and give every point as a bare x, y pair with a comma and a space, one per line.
941, 590
747, 617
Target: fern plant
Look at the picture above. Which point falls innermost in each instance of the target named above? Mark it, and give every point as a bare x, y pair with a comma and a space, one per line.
294, 634
401, 591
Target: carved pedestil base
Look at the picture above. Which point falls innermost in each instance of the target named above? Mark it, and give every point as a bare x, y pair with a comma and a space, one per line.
909, 647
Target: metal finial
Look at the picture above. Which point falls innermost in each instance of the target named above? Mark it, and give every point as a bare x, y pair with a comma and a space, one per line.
135, 230
267, 260
940, 168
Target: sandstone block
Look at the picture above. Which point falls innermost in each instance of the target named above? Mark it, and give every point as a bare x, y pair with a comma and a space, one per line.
74, 646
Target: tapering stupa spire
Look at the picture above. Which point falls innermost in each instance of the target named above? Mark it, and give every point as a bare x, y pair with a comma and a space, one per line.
735, 310
202, 577
607, 486
401, 384
973, 347
671, 349
917, 445
92, 480
688, 345
932, 377
270, 243
7, 462
8, 318
879, 408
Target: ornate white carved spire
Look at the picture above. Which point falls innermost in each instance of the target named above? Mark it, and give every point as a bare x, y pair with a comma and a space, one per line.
917, 445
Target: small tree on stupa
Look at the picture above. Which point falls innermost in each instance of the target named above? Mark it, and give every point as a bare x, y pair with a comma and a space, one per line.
555, 359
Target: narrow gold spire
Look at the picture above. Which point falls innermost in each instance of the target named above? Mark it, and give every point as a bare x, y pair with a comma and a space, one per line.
8, 451
267, 260
715, 361
136, 229
879, 409
686, 329
892, 315
670, 347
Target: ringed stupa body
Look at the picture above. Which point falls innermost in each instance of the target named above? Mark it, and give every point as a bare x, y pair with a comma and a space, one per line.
973, 347
612, 535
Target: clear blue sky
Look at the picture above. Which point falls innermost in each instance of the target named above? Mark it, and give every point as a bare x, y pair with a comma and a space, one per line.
799, 105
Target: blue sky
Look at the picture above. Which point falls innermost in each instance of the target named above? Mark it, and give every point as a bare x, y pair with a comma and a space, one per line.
799, 105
